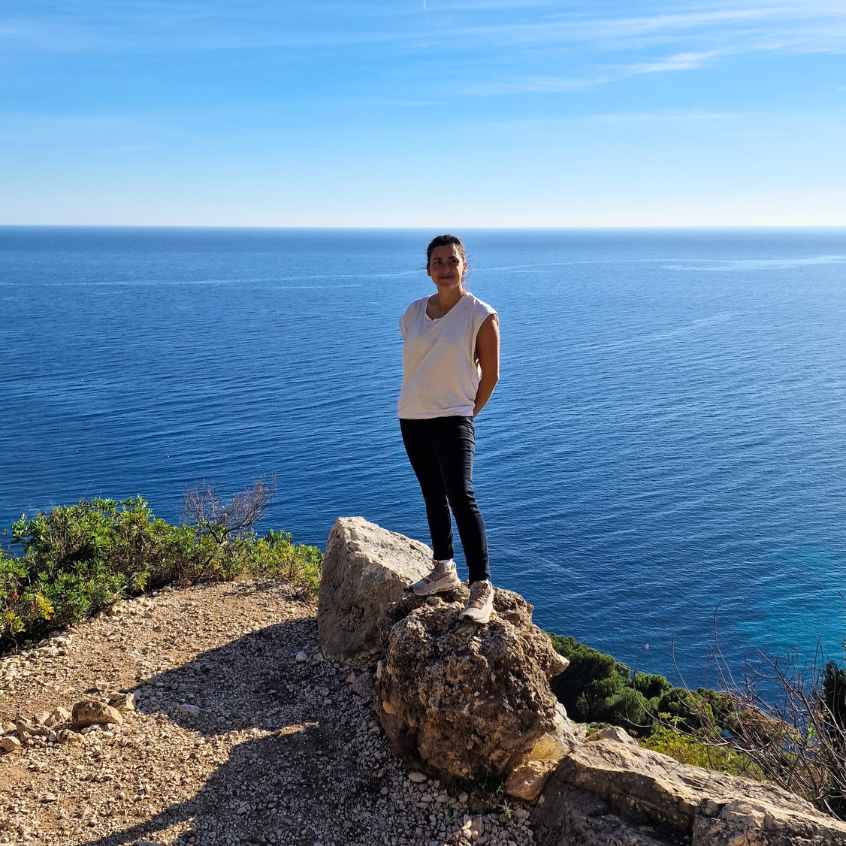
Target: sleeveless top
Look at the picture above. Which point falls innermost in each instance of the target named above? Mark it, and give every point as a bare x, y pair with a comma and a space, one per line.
440, 373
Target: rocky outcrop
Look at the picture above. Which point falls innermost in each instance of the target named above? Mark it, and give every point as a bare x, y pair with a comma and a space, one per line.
443, 677
365, 571
467, 701
474, 701
702, 807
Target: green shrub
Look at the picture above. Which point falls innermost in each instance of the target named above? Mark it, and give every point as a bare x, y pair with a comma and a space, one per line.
689, 749
629, 709
801, 747
21, 604
651, 685
690, 710
77, 559
598, 688
591, 681
834, 696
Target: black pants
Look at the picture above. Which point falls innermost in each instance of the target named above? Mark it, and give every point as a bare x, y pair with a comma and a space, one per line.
441, 454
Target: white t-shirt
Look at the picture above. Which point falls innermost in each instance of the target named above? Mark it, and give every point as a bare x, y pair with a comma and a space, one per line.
440, 373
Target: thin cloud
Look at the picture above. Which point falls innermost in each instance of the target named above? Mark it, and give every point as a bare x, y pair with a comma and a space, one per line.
542, 85
807, 28
563, 85
677, 62
632, 119
707, 36
687, 20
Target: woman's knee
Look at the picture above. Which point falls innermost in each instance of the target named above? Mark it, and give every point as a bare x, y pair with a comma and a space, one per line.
462, 500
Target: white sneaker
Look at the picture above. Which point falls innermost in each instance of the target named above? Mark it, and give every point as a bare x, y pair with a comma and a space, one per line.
442, 578
480, 604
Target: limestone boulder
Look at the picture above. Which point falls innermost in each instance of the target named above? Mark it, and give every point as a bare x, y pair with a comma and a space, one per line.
472, 701
704, 807
365, 571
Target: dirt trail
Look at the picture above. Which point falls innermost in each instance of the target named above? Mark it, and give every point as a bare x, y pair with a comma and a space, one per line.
241, 734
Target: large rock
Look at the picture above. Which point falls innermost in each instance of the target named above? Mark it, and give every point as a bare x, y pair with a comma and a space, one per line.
704, 807
365, 571
474, 701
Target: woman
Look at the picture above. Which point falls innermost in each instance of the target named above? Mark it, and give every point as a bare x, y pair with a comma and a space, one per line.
450, 368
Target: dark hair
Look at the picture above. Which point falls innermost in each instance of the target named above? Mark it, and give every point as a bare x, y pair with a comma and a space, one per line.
445, 241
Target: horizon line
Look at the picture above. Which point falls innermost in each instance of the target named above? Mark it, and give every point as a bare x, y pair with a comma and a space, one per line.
472, 228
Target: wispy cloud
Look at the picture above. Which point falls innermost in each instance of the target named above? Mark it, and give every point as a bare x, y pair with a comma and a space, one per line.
536, 85
593, 120
676, 62
794, 23
702, 37
555, 85
683, 21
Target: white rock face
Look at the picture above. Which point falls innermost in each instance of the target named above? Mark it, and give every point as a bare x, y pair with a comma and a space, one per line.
365, 571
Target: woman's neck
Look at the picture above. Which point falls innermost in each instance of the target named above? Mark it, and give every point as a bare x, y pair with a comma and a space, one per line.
448, 297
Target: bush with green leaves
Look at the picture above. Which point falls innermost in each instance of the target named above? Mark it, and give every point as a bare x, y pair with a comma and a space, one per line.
800, 745
690, 710
77, 559
688, 748
598, 688
590, 682
651, 685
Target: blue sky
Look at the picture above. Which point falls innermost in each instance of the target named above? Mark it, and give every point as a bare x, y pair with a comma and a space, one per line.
433, 113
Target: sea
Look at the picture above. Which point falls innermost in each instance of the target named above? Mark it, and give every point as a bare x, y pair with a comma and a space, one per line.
662, 468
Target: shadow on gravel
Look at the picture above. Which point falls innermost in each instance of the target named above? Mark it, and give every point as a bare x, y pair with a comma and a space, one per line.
311, 780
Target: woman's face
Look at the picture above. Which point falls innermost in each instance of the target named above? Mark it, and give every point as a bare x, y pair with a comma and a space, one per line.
446, 266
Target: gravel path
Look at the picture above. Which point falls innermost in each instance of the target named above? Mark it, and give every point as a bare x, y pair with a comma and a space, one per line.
241, 734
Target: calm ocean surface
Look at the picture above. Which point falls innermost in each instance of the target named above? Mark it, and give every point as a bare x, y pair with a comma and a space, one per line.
666, 448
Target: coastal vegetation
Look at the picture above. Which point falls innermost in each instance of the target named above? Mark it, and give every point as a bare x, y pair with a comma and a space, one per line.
78, 559
797, 740
690, 726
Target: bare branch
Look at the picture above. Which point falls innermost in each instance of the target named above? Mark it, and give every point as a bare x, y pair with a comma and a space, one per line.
798, 740
204, 508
